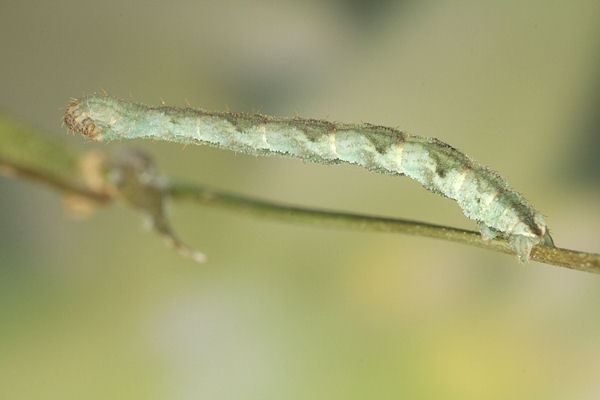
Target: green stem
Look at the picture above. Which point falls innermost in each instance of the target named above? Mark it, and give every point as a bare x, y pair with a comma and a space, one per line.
572, 259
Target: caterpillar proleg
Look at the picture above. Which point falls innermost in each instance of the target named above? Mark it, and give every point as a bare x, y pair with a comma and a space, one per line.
482, 194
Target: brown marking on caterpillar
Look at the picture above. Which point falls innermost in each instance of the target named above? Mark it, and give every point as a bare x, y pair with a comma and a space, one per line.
325, 126
525, 216
242, 121
441, 172
450, 152
379, 136
312, 129
445, 145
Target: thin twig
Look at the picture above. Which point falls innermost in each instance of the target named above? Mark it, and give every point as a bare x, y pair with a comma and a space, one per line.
572, 259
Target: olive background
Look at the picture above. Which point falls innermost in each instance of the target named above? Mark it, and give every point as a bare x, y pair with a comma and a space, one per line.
99, 308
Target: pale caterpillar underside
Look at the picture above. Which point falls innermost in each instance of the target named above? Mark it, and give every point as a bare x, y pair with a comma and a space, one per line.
482, 194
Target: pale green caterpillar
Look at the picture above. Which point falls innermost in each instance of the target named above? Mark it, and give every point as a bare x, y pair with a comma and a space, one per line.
482, 194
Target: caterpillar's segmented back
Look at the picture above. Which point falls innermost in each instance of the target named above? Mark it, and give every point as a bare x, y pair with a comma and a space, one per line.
482, 194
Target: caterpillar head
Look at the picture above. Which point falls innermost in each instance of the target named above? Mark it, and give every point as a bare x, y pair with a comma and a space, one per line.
91, 116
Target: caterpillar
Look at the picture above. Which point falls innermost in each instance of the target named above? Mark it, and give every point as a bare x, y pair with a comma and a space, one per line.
481, 193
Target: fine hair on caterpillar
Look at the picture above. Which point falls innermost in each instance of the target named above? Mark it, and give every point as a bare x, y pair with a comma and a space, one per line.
482, 194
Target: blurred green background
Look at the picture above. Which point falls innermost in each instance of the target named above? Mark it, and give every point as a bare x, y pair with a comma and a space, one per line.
101, 309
